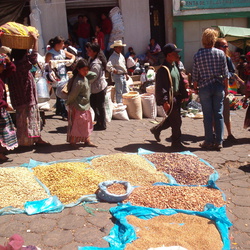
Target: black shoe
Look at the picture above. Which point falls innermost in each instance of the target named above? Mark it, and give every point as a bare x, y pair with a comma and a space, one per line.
99, 128
6, 160
232, 139
156, 134
178, 146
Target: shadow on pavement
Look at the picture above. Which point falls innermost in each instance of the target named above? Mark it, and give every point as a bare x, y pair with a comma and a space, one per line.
54, 148
240, 141
245, 168
59, 130
154, 147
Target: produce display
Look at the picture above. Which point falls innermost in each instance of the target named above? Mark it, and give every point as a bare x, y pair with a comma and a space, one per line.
176, 197
128, 167
69, 180
18, 185
13, 28
188, 231
186, 169
187, 226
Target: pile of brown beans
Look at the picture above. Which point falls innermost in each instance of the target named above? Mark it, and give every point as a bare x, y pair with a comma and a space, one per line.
186, 169
176, 197
116, 188
188, 231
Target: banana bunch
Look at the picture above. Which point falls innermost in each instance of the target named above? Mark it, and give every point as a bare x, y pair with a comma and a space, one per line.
13, 28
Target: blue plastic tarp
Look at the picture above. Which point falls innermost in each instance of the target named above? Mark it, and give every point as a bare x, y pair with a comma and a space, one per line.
123, 233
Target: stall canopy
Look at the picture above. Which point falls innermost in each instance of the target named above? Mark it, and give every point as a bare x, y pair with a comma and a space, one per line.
238, 36
10, 10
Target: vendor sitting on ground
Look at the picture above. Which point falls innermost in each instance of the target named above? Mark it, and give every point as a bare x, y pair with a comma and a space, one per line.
153, 50
131, 63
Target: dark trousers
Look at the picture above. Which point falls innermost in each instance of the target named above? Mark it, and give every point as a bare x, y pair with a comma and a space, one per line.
173, 121
60, 106
97, 102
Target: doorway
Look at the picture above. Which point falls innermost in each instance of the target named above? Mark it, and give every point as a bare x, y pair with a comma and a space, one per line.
157, 22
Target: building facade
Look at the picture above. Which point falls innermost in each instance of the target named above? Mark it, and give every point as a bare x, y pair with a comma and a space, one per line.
181, 22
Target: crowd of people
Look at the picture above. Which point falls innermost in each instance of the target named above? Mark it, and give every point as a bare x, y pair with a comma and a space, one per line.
212, 76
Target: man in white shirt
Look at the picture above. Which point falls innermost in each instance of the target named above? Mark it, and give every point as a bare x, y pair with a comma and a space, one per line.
117, 67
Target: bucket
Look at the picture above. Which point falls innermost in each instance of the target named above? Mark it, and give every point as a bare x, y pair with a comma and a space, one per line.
134, 106
42, 90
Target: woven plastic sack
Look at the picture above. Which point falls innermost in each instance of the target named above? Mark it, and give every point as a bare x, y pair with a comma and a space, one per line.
134, 106
120, 112
150, 89
105, 195
161, 112
149, 105
108, 105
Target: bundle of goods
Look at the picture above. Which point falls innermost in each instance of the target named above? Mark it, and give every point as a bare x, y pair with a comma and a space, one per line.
17, 36
117, 32
114, 191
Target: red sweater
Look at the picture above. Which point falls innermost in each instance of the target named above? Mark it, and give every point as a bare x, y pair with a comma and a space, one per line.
10, 67
106, 26
83, 30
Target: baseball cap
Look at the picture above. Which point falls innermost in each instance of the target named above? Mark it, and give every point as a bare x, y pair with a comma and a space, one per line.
170, 47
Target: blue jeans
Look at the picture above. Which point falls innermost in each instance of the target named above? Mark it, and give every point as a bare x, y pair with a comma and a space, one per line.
82, 43
211, 98
120, 86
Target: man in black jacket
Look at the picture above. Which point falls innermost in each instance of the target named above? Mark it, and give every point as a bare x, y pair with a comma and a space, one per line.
169, 92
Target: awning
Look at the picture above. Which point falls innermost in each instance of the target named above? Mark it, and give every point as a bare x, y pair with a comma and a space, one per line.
10, 10
77, 4
238, 36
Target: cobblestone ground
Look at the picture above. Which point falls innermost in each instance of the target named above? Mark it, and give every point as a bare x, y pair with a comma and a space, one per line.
86, 225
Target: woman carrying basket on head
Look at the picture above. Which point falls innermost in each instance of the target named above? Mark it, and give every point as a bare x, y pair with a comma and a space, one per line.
23, 95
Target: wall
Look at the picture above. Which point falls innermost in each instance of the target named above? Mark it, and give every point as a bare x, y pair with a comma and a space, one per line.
193, 32
53, 19
137, 24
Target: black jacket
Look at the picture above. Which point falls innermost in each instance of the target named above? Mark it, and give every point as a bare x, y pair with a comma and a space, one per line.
162, 86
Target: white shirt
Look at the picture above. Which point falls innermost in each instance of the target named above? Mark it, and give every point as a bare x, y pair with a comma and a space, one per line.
130, 62
117, 61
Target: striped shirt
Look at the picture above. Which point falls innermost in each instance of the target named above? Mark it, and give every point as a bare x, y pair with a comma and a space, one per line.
210, 66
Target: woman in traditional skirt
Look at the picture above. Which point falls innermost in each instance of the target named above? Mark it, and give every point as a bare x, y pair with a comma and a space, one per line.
80, 124
23, 95
8, 137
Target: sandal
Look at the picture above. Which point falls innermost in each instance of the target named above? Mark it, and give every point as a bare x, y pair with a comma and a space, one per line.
4, 158
42, 143
90, 144
207, 146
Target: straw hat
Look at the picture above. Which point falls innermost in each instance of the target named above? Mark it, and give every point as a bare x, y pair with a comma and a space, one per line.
117, 43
